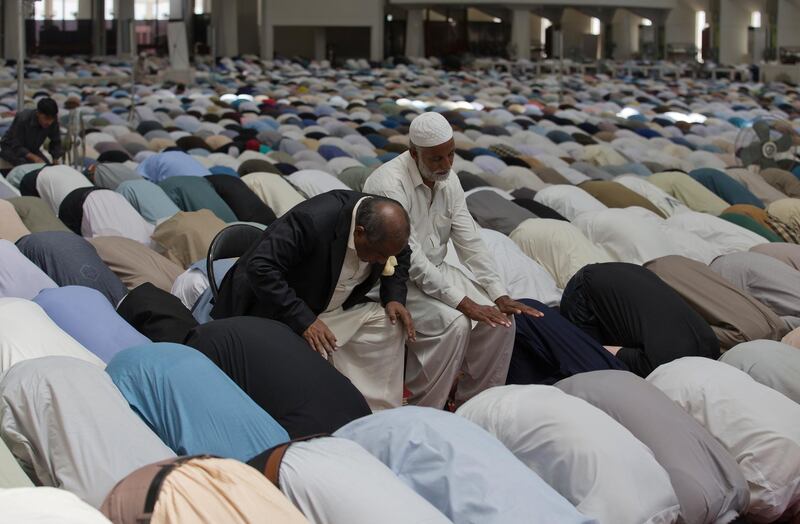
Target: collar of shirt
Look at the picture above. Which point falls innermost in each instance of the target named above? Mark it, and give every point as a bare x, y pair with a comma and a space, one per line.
416, 177
351, 244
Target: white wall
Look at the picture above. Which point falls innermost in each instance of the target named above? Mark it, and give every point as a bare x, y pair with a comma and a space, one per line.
788, 17
733, 22
680, 26
626, 34
574, 25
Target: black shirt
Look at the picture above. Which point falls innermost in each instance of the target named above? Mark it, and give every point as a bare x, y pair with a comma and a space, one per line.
26, 136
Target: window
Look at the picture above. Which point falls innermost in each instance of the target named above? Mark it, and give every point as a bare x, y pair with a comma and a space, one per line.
109, 9
200, 8
594, 27
755, 19
647, 22
151, 9
699, 26
543, 32
38, 11
65, 9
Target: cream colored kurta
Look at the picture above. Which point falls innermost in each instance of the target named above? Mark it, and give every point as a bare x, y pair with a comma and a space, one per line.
438, 216
274, 191
370, 348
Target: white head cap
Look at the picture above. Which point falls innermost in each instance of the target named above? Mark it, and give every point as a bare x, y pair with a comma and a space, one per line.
429, 130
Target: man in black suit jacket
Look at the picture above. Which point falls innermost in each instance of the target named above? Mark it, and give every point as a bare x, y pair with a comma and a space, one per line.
312, 270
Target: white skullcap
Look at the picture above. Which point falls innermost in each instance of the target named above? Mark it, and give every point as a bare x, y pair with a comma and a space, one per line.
429, 130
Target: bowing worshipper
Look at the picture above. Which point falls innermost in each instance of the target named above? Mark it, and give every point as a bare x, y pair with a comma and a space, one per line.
755, 423
76, 431
706, 478
135, 263
11, 226
758, 214
756, 184
54, 183
774, 364
786, 210
274, 191
725, 187
11, 474
335, 480
455, 317
148, 199
789, 254
157, 314
160, 382
725, 236
462, 470
615, 195
185, 237
198, 489
568, 201
611, 476
668, 205
768, 280
624, 236
550, 348
36, 214
313, 182
164, 165
70, 260
243, 202
110, 175
734, 315
356, 177
192, 193
684, 243
19, 277
558, 246
105, 335
107, 213
783, 181
22, 142
312, 269
193, 283
752, 225
27, 186
70, 212
279, 371
26, 332
47, 506
638, 317
689, 191
492, 211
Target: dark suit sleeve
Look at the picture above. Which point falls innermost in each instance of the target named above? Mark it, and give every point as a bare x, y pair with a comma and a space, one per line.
288, 242
393, 288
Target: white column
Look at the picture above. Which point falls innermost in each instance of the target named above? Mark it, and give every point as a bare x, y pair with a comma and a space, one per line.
376, 37
99, 27
788, 15
84, 9
176, 8
267, 30
320, 43
224, 23
10, 29
734, 20
126, 39
415, 33
521, 33
626, 34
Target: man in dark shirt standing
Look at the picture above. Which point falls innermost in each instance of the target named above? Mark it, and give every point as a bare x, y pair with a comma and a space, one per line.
22, 142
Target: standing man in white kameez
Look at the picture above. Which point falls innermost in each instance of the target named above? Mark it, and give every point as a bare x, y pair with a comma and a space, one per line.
464, 328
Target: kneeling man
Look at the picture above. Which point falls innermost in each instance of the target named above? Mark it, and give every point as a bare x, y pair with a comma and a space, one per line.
312, 270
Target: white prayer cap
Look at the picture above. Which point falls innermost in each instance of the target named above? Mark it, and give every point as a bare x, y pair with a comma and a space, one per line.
429, 130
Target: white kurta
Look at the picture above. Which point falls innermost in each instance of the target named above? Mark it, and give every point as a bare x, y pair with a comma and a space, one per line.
47, 506
756, 424
568, 201
585, 455
106, 213
54, 183
314, 182
667, 204
26, 332
725, 236
333, 480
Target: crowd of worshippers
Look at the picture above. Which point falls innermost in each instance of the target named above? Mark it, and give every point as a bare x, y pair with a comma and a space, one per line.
622, 351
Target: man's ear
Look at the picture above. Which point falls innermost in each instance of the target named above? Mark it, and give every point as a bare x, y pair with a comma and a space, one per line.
413, 151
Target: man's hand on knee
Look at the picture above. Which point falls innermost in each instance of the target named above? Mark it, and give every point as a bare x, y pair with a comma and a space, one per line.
489, 314
510, 306
397, 311
320, 338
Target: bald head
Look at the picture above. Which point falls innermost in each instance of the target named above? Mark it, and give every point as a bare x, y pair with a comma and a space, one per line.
382, 229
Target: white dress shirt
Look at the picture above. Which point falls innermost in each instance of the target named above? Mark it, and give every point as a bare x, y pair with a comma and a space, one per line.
354, 270
437, 215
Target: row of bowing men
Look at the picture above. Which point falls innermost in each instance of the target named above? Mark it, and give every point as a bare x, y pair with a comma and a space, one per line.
309, 275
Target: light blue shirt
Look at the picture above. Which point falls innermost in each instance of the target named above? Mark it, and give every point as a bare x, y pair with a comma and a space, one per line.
171, 163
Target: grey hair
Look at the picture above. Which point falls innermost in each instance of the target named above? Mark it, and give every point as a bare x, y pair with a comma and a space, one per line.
375, 226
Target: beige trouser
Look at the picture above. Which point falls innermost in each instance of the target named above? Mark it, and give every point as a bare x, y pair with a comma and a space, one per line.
370, 352
482, 354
